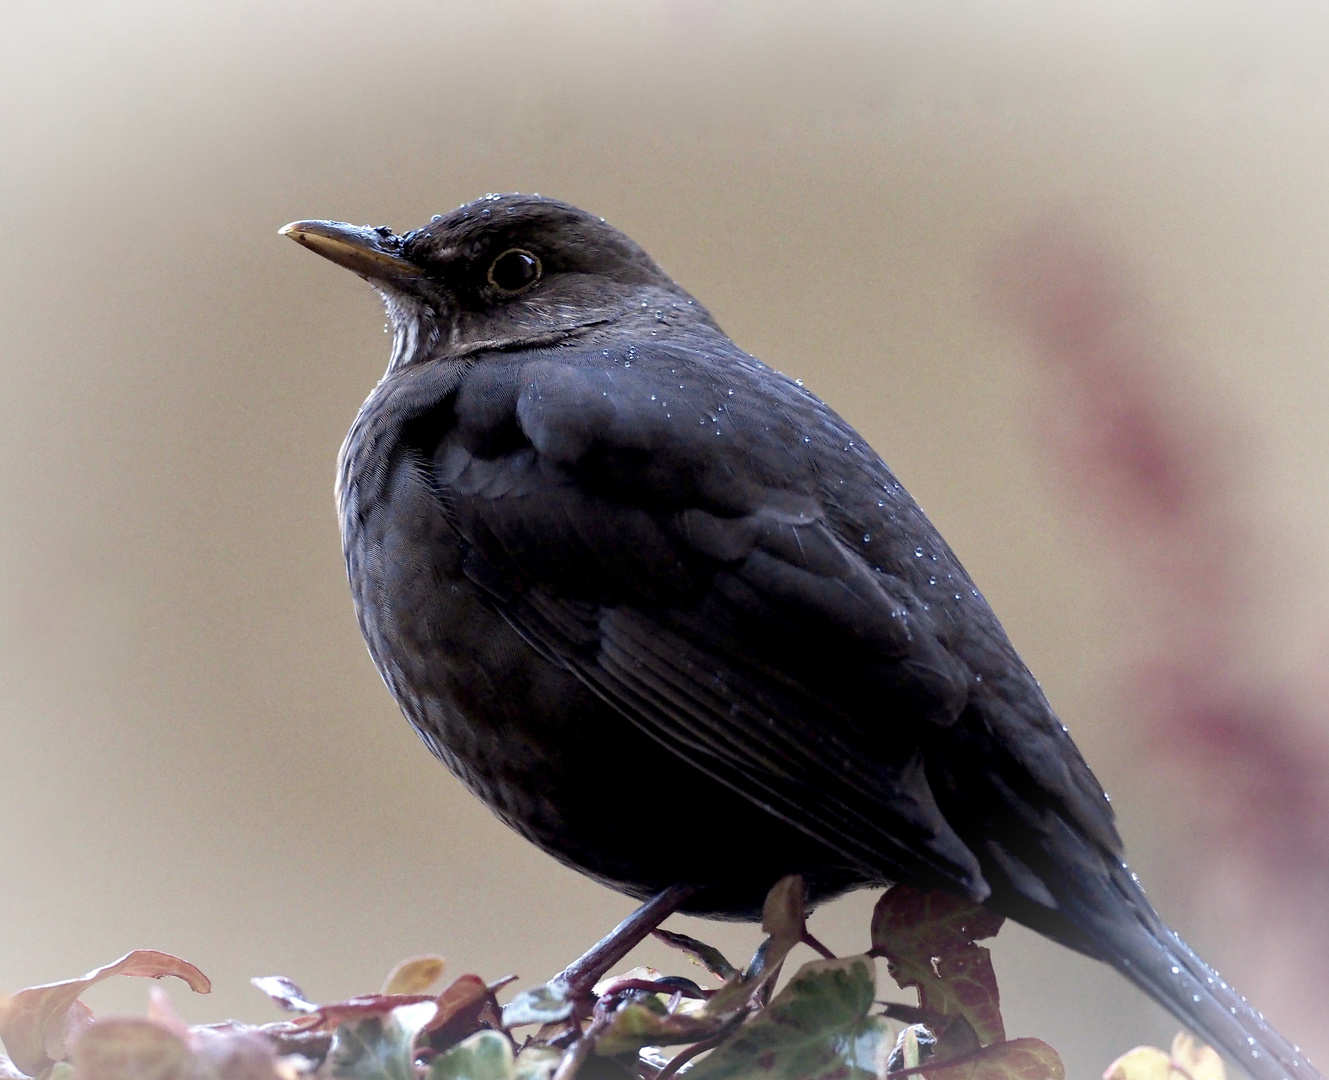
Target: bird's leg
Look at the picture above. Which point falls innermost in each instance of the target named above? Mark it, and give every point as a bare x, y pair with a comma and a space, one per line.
584, 972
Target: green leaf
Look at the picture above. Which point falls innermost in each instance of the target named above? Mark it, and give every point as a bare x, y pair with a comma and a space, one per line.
486, 1055
380, 1048
708, 956
816, 1028
547, 1004
645, 1023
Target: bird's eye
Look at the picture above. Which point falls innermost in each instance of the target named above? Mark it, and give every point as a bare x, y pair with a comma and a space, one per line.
514, 270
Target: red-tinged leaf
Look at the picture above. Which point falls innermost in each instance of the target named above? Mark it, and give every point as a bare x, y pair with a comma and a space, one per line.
460, 1010
928, 938
1019, 1059
366, 1008
415, 976
130, 1049
320, 1017
38, 1024
60, 1036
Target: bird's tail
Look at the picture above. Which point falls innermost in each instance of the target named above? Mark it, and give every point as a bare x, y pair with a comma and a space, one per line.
1134, 939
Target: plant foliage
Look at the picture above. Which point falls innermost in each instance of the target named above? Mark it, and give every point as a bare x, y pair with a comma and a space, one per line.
825, 1023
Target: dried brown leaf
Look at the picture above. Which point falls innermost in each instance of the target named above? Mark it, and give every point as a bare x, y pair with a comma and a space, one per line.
928, 938
38, 1025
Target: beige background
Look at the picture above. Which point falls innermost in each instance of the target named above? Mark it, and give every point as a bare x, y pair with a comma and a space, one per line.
197, 754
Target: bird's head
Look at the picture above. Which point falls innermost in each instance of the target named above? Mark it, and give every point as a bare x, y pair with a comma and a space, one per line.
503, 272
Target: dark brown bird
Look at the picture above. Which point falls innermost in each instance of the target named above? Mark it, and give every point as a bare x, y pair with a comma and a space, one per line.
595, 547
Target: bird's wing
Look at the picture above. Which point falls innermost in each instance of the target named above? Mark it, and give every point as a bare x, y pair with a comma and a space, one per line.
672, 530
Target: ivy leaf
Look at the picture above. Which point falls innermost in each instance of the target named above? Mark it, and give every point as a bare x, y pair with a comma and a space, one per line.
783, 917
547, 1004
486, 1055
929, 940
379, 1047
1019, 1059
816, 1028
637, 1023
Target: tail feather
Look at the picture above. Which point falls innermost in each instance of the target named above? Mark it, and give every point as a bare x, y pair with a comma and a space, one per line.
1155, 958
1109, 909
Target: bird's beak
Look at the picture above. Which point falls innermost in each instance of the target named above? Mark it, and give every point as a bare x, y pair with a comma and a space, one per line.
371, 253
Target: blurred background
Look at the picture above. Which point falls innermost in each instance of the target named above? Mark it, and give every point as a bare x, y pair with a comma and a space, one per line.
1064, 264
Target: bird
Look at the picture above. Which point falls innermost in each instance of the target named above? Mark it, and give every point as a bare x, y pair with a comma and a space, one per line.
671, 618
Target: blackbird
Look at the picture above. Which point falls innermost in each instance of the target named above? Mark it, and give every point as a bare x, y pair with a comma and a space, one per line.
606, 560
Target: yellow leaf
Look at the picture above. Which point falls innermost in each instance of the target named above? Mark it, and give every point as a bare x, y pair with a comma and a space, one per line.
415, 976
1142, 1063
1187, 1061
1201, 1062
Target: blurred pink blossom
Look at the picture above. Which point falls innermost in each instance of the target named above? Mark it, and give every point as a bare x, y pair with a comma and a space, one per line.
1157, 467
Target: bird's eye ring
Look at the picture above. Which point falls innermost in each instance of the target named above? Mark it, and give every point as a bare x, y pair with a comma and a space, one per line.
516, 269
